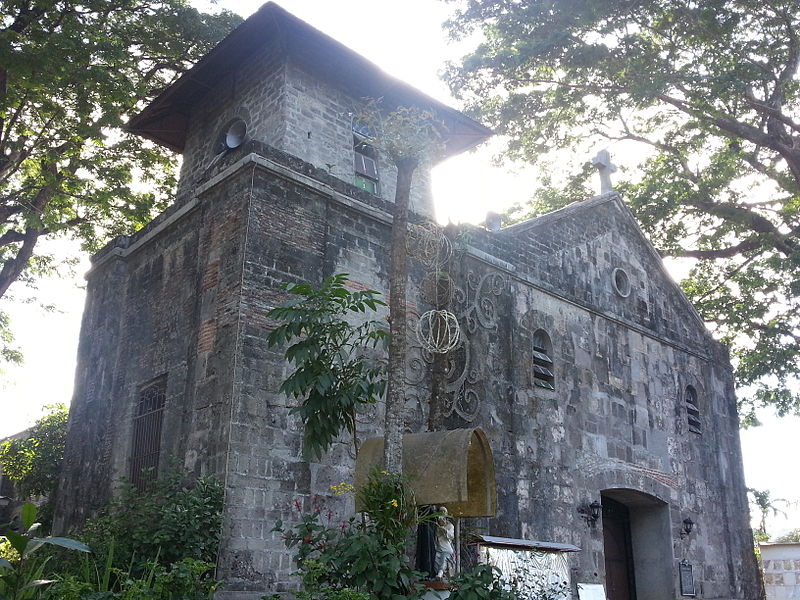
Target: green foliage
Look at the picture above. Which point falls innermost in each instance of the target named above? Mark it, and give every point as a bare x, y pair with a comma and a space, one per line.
167, 523
388, 502
7, 552
33, 463
8, 353
22, 579
359, 556
187, 579
765, 503
314, 586
335, 374
481, 582
705, 109
792, 536
405, 133
71, 74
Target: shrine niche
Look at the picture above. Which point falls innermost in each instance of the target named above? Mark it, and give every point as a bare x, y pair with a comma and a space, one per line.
454, 469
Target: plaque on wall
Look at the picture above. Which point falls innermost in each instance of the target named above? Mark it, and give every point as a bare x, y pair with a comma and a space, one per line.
591, 591
687, 579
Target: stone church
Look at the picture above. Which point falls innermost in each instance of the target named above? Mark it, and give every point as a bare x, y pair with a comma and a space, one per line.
594, 380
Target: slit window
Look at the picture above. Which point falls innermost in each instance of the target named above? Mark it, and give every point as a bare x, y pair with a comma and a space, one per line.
147, 424
543, 375
693, 410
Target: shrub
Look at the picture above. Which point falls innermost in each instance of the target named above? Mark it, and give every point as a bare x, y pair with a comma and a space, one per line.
361, 556
186, 579
166, 523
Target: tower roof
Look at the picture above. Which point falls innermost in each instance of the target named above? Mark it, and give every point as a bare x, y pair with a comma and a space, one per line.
165, 119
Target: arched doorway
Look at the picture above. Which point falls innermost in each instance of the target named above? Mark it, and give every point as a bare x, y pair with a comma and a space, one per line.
637, 546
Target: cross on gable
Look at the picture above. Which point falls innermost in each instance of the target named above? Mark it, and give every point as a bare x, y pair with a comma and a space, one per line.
605, 168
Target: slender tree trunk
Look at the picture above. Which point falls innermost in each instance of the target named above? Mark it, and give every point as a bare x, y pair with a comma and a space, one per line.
442, 301
398, 275
438, 392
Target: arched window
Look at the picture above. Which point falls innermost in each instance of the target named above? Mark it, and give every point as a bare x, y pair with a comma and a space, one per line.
543, 376
692, 410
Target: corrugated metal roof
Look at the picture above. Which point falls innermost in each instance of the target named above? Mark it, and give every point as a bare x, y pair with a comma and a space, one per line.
491, 540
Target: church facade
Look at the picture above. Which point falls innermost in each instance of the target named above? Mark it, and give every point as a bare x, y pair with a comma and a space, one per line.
588, 370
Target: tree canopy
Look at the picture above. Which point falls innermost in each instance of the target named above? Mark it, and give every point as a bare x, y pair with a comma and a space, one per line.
33, 461
70, 75
709, 93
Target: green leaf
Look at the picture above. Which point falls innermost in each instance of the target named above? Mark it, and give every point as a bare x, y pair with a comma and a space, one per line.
18, 542
28, 515
63, 542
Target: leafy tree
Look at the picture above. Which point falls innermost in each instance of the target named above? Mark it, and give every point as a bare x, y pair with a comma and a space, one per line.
765, 503
335, 375
70, 75
709, 93
33, 462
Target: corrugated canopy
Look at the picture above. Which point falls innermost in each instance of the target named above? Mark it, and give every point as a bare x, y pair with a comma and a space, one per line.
453, 468
503, 542
165, 120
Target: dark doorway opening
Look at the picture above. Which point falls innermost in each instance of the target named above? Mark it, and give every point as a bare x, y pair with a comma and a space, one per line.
620, 578
637, 546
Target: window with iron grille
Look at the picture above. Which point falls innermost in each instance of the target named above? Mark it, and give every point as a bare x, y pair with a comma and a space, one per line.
147, 423
543, 376
692, 410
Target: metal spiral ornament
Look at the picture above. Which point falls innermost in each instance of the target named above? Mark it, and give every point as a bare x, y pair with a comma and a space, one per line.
438, 331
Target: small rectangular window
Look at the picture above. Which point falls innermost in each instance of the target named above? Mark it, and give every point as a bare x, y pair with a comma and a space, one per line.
147, 422
365, 165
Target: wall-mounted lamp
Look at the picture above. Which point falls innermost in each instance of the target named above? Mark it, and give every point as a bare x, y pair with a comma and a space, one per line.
591, 513
687, 527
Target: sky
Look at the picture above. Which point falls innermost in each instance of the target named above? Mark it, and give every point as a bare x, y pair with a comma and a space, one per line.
404, 37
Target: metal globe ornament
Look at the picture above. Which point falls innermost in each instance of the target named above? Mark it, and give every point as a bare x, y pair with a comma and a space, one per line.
428, 243
438, 331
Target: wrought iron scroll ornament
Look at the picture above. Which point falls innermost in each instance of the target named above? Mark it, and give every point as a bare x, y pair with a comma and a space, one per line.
476, 305
459, 312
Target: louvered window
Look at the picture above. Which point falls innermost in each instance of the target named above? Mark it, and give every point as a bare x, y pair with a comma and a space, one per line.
693, 410
543, 376
147, 433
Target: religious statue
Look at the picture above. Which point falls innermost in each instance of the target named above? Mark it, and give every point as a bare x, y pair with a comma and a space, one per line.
445, 564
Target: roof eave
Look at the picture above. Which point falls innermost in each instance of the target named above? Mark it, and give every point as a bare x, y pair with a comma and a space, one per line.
157, 121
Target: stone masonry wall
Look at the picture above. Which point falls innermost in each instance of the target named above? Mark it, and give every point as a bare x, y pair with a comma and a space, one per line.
781, 563
289, 109
188, 298
616, 420
163, 303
